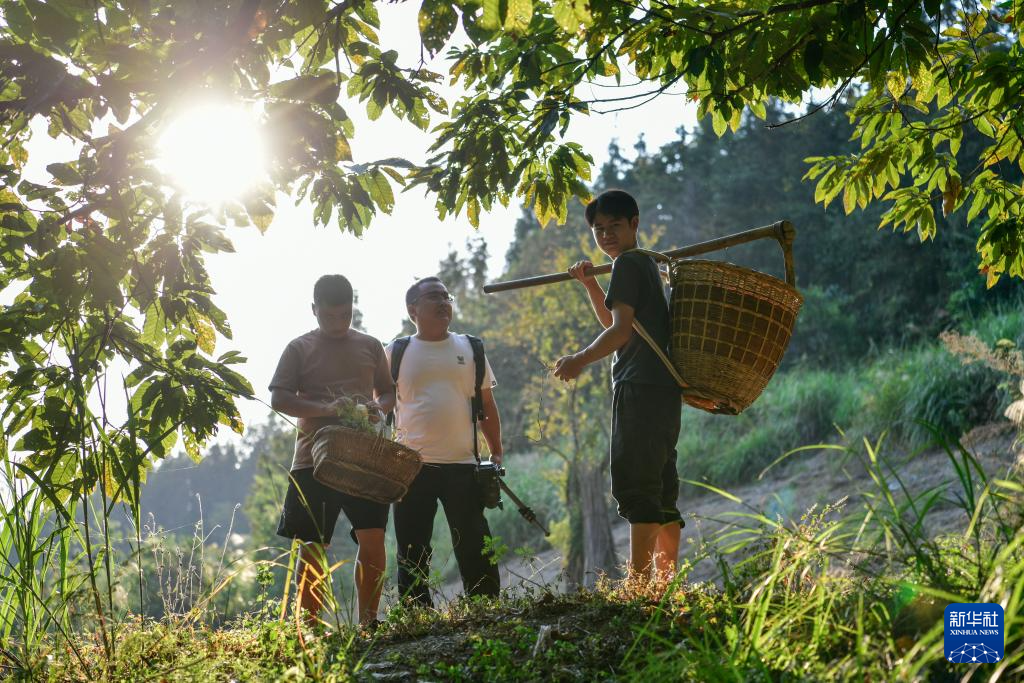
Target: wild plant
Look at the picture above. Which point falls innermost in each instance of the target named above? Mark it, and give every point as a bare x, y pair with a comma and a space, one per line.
855, 589
40, 580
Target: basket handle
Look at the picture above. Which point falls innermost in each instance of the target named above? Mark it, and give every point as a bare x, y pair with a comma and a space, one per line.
781, 231
785, 233
661, 354
693, 395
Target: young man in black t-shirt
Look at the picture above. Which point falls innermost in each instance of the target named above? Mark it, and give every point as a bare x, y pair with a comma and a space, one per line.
646, 400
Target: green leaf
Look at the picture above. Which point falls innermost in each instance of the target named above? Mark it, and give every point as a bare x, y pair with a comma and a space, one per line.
519, 15
318, 88
51, 22
896, 84
582, 9
718, 123
342, 150
491, 18
65, 174
262, 220
565, 16
437, 22
849, 198
812, 60
695, 60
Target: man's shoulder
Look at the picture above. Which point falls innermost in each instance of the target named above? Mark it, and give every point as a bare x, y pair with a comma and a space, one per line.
634, 258
402, 340
305, 340
465, 338
362, 338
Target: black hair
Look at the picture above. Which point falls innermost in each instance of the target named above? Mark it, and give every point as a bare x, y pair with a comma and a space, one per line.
612, 203
413, 292
332, 290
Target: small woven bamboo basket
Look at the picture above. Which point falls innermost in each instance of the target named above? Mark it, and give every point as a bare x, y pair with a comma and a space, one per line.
368, 466
730, 328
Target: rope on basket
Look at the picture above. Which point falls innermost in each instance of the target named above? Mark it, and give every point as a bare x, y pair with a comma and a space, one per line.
661, 354
657, 256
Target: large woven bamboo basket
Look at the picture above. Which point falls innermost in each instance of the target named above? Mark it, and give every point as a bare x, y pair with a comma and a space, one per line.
730, 328
364, 465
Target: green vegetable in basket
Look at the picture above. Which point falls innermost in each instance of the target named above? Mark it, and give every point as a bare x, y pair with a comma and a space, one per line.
355, 416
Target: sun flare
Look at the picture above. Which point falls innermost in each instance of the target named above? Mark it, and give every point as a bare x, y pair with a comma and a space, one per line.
213, 152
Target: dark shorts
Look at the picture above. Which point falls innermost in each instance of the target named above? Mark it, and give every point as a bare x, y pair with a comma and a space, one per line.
645, 428
311, 510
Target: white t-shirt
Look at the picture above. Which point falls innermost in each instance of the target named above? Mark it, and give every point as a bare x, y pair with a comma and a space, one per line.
435, 390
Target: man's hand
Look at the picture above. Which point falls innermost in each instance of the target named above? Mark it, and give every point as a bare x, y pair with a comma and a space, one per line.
375, 412
335, 407
576, 270
569, 367
496, 458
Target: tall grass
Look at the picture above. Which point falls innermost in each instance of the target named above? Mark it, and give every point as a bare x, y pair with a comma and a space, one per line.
40, 579
51, 582
853, 594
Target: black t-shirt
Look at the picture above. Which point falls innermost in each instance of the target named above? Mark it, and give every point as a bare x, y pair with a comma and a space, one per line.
635, 281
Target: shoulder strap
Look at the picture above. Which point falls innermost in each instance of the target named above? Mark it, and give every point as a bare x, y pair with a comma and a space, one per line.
478, 365
477, 405
398, 348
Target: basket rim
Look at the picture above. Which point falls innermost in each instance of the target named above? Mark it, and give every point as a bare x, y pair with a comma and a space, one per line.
729, 266
328, 430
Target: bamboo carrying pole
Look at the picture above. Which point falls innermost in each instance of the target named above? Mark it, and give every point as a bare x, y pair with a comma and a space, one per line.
782, 231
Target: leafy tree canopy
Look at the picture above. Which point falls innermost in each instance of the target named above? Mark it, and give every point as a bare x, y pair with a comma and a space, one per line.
922, 72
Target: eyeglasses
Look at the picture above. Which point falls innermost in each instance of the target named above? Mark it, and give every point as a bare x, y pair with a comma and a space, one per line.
436, 297
601, 232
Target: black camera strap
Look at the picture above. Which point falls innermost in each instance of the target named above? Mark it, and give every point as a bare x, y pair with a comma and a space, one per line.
477, 402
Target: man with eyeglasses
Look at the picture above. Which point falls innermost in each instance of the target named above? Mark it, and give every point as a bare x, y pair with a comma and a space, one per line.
436, 381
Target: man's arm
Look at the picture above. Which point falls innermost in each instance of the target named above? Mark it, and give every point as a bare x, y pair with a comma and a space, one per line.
290, 403
614, 337
491, 425
384, 390
385, 401
594, 291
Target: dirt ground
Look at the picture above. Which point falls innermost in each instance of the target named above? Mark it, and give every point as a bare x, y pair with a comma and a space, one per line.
806, 479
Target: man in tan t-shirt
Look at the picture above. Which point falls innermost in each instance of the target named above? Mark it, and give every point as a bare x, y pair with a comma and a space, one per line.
318, 372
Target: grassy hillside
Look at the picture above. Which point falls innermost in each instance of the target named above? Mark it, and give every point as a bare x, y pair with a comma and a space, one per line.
846, 592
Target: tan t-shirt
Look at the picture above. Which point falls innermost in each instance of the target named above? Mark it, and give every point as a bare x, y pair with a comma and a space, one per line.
322, 368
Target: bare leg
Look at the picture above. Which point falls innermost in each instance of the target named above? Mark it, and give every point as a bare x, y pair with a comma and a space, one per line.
371, 562
666, 551
310, 574
642, 538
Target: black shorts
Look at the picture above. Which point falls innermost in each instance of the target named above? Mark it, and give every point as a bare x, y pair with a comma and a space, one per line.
311, 516
645, 428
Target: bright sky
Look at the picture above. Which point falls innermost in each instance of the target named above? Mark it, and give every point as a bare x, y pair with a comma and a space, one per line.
265, 288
